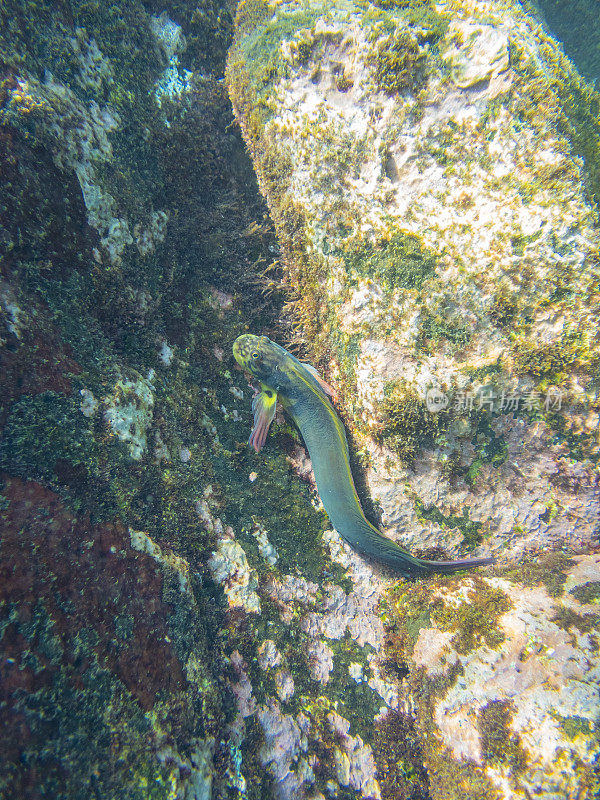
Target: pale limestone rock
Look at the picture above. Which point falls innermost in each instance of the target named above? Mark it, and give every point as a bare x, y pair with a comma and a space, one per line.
449, 165
548, 673
465, 163
319, 658
478, 53
229, 567
282, 750
354, 762
242, 687
128, 411
284, 684
268, 655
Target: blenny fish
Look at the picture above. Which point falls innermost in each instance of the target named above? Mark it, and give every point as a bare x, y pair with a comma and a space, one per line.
305, 396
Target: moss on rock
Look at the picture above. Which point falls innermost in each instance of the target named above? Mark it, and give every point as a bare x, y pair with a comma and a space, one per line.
553, 361
587, 593
399, 64
399, 756
400, 262
547, 569
499, 745
46, 437
475, 620
405, 423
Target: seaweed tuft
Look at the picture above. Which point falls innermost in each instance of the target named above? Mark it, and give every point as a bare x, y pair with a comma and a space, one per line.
499, 745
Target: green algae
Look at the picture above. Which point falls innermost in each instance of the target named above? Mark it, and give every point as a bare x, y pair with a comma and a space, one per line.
266, 27
566, 98
574, 726
548, 569
355, 701
587, 593
208, 31
345, 349
424, 17
71, 300
504, 308
475, 621
398, 753
556, 360
470, 529
405, 610
76, 725
405, 424
284, 509
582, 445
400, 262
567, 619
342, 158
399, 65
443, 325
33, 37
448, 144
453, 778
490, 447
44, 433
499, 744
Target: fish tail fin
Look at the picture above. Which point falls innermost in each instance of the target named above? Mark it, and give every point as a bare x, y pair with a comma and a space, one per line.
370, 542
447, 567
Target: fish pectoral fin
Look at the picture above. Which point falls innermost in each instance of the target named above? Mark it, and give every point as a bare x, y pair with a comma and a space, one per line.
327, 388
263, 406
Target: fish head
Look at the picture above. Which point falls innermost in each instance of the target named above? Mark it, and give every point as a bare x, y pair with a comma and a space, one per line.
263, 359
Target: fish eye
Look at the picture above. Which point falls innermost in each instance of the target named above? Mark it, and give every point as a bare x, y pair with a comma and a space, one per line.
255, 356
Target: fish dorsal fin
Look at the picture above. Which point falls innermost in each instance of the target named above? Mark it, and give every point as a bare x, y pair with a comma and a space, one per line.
263, 406
327, 388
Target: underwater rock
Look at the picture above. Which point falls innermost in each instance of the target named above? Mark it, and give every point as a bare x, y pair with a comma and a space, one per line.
438, 238
505, 677
128, 411
282, 747
433, 173
229, 567
102, 638
268, 655
156, 573
479, 53
116, 236
320, 659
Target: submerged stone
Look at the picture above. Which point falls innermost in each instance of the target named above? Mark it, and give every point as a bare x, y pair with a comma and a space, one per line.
436, 202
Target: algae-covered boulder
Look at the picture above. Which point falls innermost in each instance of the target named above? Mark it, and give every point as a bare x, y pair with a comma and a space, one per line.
111, 643
434, 175
433, 172
177, 618
173, 623
505, 679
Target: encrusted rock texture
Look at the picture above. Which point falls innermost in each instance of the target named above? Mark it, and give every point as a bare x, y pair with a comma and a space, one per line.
433, 173
112, 665
176, 619
120, 173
